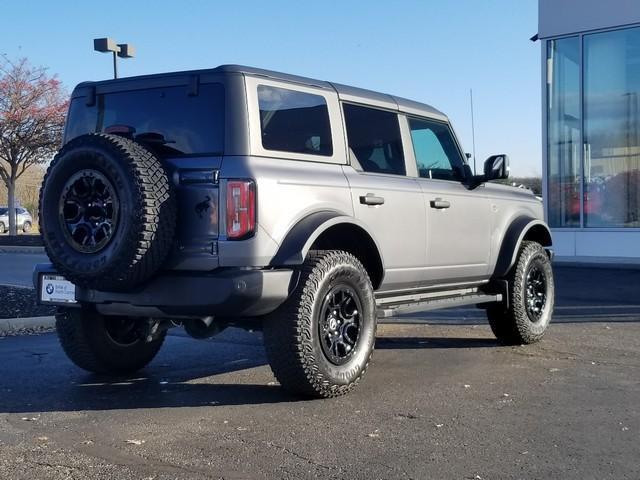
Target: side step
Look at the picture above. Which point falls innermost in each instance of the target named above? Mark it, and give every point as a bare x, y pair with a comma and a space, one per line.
387, 308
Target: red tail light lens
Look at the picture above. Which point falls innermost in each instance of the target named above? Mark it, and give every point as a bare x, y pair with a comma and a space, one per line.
241, 209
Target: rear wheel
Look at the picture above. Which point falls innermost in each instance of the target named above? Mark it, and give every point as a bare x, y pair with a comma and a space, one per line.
3, 228
320, 342
531, 298
26, 227
100, 344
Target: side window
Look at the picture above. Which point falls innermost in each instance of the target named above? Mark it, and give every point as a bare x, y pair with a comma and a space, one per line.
374, 139
293, 121
437, 154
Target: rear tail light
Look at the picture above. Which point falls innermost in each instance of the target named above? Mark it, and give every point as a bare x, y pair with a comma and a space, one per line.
241, 209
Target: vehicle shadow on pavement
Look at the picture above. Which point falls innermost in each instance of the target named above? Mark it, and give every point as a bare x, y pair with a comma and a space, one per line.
411, 343
94, 392
205, 374
37, 377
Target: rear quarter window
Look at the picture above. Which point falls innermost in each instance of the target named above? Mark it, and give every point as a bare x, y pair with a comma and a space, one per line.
168, 116
293, 121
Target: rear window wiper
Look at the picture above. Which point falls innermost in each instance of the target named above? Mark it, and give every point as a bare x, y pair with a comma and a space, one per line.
153, 137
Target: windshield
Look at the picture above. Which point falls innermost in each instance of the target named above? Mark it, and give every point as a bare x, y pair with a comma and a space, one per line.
167, 118
3, 211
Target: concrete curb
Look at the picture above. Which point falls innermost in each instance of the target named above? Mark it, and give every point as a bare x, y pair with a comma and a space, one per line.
10, 325
20, 249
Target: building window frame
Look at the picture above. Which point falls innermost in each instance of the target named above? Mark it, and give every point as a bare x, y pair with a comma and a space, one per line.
545, 125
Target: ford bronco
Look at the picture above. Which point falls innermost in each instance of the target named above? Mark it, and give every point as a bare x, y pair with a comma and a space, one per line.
307, 209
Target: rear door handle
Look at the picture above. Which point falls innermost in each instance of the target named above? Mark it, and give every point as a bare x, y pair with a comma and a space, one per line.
371, 199
440, 203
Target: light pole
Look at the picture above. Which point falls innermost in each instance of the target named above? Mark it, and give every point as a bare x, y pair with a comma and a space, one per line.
122, 50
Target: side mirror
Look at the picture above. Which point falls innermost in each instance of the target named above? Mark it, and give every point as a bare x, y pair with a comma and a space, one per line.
496, 167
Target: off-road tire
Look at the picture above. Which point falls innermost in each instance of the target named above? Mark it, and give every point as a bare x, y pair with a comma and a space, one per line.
291, 335
146, 226
514, 325
87, 343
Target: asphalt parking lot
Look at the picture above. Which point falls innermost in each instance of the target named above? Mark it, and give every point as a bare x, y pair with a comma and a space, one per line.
441, 400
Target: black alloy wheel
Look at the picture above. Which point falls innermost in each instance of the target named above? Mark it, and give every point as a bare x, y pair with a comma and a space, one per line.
123, 331
339, 325
536, 292
88, 211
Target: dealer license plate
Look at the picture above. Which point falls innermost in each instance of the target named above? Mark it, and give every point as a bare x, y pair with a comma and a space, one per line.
55, 289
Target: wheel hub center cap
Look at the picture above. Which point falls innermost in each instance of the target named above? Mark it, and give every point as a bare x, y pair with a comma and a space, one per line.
333, 324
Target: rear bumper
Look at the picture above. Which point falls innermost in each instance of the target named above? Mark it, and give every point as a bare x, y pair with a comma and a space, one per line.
230, 293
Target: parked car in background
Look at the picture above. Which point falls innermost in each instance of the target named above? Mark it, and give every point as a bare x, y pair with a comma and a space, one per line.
24, 221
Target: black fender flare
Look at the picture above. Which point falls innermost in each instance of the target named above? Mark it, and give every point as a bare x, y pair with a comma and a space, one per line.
513, 239
302, 235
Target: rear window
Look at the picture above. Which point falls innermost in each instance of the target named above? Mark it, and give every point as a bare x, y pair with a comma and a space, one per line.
293, 121
168, 116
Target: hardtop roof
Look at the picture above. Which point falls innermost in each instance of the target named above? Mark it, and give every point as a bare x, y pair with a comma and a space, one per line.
345, 92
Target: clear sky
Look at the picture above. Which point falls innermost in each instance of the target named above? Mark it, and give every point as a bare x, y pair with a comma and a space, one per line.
432, 51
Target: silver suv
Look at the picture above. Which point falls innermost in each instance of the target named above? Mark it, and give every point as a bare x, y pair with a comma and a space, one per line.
308, 209
24, 222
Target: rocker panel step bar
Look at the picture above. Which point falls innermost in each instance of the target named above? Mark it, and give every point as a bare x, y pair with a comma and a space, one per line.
410, 305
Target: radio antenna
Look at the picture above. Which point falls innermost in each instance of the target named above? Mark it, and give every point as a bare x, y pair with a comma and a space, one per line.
473, 132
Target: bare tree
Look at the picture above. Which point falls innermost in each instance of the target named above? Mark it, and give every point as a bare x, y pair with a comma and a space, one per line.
32, 110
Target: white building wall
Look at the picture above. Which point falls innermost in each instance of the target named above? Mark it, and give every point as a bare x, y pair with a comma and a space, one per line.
563, 17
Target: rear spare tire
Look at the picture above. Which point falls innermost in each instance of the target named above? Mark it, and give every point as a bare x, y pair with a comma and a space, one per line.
108, 212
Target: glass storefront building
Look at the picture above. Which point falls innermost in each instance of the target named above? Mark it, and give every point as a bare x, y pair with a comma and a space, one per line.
591, 126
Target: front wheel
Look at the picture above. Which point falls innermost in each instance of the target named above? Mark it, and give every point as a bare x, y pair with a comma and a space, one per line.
3, 229
26, 227
319, 343
101, 344
531, 298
